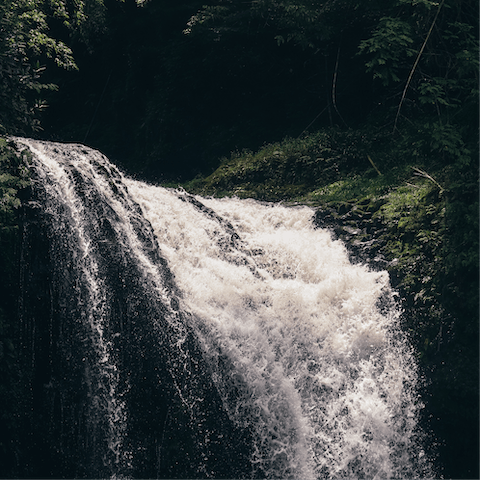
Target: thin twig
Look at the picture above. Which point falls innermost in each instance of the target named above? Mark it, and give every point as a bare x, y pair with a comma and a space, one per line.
313, 121
96, 109
415, 65
373, 165
334, 100
421, 173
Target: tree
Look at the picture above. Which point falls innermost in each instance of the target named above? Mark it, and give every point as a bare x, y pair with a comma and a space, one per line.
422, 54
425, 54
34, 34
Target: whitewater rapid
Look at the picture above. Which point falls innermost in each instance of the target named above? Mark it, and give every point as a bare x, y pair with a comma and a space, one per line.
303, 347
325, 386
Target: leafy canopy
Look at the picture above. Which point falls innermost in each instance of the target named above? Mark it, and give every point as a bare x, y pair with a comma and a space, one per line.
34, 33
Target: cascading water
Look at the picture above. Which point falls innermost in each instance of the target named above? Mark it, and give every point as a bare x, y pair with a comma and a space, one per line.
214, 338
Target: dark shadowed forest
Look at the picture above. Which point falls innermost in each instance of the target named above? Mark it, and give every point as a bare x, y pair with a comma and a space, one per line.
350, 106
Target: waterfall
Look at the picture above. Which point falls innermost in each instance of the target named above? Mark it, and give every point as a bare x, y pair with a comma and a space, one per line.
203, 338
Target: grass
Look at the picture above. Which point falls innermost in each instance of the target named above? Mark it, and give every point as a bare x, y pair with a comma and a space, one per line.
322, 168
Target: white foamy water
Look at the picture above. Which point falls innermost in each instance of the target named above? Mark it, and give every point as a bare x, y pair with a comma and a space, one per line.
316, 370
69, 217
302, 346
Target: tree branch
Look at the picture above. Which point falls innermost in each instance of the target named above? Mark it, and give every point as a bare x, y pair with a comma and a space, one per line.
415, 66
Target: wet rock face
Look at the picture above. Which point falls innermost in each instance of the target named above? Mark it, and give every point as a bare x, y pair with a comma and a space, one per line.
37, 339
363, 232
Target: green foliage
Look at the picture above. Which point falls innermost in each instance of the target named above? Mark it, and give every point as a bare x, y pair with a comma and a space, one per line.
435, 144
290, 168
23, 40
388, 49
27, 44
432, 91
415, 217
13, 177
424, 55
307, 24
443, 39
